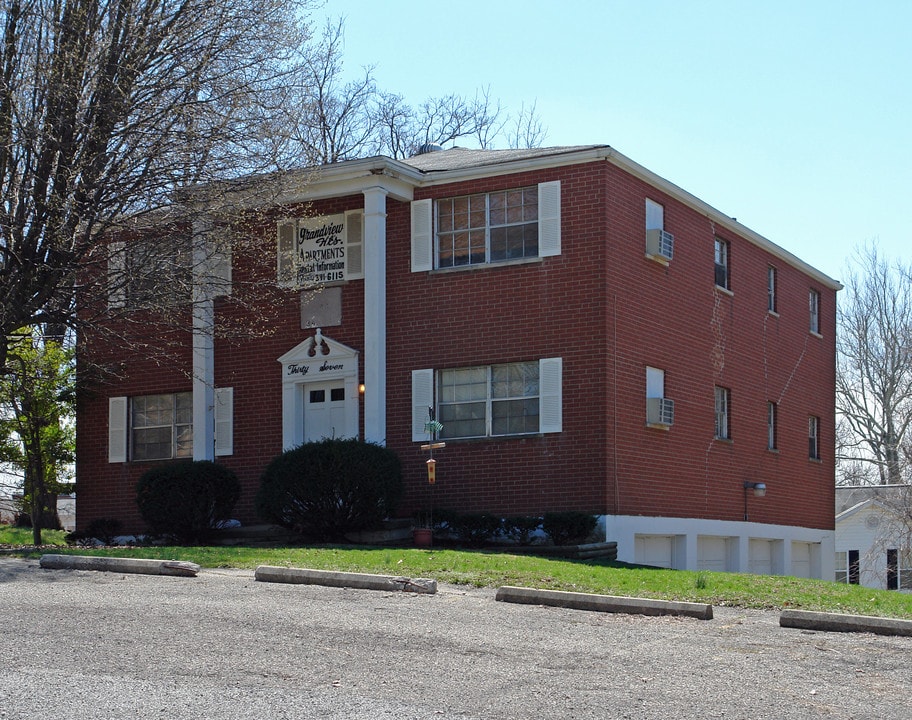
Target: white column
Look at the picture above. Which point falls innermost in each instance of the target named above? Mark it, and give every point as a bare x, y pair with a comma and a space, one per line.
375, 315
203, 347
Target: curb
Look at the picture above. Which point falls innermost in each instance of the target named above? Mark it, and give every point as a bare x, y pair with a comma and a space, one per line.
359, 581
603, 603
178, 568
830, 622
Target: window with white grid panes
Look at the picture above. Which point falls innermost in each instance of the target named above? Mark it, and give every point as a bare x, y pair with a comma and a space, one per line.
487, 227
162, 426
488, 401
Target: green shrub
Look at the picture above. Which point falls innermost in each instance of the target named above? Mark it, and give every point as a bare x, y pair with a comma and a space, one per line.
442, 521
475, 529
185, 500
519, 528
328, 488
568, 528
103, 529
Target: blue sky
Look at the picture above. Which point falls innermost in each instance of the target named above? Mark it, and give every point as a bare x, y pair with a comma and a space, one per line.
792, 116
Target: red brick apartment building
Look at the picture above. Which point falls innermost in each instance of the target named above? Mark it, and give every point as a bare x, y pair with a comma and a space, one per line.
591, 336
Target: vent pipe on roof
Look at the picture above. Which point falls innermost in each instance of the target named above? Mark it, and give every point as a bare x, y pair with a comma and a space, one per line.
428, 148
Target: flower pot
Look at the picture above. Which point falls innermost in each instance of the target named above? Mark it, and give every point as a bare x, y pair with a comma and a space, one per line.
422, 537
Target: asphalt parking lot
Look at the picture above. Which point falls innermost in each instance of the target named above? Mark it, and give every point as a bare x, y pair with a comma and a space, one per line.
81, 644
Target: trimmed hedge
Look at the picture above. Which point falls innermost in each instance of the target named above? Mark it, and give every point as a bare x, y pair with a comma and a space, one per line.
185, 500
331, 487
569, 528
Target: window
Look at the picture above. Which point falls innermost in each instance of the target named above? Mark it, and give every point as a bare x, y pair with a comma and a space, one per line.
814, 307
317, 250
771, 289
899, 569
160, 427
814, 437
151, 272
490, 400
722, 252
723, 408
847, 567
659, 244
486, 228
772, 412
659, 409
483, 401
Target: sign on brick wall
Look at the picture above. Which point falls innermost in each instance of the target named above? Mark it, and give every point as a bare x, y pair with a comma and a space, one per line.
321, 249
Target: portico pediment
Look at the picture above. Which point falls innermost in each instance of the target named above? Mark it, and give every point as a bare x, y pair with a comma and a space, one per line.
318, 357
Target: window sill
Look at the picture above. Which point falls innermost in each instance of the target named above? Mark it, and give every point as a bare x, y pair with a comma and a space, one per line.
658, 259
724, 291
487, 266
774, 451
724, 441
816, 334
658, 426
490, 438
772, 313
818, 461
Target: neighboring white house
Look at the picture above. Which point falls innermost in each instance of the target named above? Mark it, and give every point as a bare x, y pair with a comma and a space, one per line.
874, 536
11, 494
9, 485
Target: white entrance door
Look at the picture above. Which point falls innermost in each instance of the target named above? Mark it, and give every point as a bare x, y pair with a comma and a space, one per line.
324, 410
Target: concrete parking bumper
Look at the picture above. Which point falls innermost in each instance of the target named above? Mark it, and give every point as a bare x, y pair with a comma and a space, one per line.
798, 619
360, 581
833, 622
603, 603
141, 566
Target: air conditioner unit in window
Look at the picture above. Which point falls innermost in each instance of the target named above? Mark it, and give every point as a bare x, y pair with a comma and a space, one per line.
660, 244
660, 411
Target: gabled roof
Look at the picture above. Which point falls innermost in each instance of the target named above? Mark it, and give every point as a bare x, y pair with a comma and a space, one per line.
855, 509
850, 496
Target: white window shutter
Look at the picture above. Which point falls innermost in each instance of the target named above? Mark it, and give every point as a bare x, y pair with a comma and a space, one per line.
550, 380
422, 399
354, 245
117, 429
224, 421
220, 264
286, 246
549, 218
422, 235
117, 275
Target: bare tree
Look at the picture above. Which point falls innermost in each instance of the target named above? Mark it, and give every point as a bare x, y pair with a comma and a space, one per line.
527, 129
874, 369
403, 130
108, 108
328, 120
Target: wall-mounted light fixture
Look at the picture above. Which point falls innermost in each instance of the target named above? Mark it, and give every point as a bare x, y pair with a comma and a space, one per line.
759, 489
361, 389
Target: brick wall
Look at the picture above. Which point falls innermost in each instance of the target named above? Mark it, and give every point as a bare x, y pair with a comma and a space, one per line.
608, 312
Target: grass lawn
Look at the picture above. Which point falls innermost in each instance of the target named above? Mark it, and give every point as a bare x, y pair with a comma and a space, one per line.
496, 568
